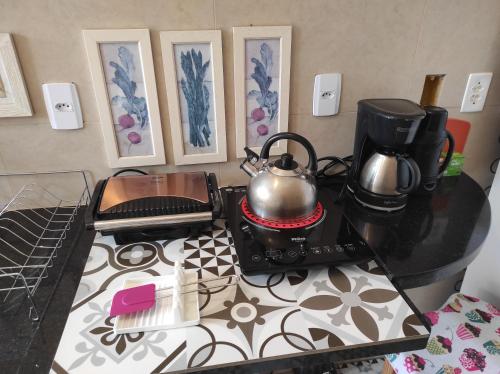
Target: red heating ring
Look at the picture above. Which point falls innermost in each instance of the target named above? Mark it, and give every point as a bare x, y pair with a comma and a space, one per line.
292, 223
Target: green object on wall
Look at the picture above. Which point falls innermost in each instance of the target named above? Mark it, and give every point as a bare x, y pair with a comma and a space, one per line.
455, 166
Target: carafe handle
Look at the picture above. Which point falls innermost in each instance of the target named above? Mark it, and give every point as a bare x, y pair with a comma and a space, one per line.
447, 159
408, 182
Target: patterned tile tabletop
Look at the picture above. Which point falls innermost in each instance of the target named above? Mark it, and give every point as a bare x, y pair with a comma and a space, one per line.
286, 314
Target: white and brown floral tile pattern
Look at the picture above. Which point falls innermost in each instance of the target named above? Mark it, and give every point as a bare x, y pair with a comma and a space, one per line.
263, 316
353, 305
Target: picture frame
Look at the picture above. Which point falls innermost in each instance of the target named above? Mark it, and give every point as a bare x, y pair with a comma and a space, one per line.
14, 100
122, 70
196, 106
261, 86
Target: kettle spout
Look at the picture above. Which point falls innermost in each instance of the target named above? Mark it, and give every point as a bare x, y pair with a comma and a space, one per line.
249, 168
248, 164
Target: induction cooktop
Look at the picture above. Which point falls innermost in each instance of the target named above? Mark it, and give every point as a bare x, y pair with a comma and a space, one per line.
336, 242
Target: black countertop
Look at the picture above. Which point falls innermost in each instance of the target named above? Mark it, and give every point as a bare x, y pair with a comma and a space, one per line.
433, 238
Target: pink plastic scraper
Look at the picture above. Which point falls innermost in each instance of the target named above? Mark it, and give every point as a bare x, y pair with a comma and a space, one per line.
133, 299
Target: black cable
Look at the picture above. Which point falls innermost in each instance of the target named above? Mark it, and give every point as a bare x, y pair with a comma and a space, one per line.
131, 171
334, 161
493, 169
325, 175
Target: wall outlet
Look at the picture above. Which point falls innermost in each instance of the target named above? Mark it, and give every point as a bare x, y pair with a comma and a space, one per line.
475, 92
63, 106
326, 96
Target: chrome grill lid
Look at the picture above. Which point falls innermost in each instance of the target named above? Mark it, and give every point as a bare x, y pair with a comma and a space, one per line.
154, 195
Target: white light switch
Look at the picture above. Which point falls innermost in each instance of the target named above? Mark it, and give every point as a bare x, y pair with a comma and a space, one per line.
475, 92
326, 96
63, 106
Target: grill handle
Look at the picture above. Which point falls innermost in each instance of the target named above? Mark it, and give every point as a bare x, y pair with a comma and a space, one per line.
214, 191
90, 212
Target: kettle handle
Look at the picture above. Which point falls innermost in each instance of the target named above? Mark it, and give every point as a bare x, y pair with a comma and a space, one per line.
447, 159
312, 165
415, 175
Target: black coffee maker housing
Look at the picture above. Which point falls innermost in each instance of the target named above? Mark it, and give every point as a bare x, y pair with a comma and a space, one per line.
386, 127
427, 147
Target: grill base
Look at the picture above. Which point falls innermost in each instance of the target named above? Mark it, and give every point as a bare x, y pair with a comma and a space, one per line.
149, 235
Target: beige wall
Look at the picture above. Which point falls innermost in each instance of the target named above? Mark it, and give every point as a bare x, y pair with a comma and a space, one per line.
383, 48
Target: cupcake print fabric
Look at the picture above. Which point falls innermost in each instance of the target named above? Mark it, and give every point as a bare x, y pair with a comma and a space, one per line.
465, 338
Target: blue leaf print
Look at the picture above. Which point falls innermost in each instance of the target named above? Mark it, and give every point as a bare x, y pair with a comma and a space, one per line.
262, 76
135, 107
141, 106
266, 54
122, 80
197, 97
126, 59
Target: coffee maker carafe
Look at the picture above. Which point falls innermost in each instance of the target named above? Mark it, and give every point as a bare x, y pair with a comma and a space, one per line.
382, 174
428, 145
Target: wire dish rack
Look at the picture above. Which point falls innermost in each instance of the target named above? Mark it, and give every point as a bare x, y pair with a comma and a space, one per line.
33, 226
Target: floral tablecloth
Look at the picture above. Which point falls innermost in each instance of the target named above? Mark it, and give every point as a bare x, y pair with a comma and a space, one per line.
263, 316
465, 337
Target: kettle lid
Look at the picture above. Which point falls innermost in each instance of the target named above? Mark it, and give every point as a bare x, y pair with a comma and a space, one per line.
286, 162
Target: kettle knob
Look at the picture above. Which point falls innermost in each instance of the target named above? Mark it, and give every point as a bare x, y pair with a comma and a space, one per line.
286, 162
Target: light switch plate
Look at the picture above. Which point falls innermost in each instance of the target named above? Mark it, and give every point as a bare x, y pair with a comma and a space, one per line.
475, 92
63, 106
326, 96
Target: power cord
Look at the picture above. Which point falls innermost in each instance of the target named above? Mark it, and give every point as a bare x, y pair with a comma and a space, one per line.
129, 171
494, 165
334, 172
325, 171
493, 170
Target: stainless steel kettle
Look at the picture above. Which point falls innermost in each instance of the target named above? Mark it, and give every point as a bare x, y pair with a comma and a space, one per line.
282, 189
389, 174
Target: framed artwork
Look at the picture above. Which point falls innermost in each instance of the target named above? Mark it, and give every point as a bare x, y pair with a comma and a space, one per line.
261, 85
121, 65
192, 62
14, 100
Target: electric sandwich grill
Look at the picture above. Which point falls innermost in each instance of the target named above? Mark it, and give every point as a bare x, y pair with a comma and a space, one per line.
154, 207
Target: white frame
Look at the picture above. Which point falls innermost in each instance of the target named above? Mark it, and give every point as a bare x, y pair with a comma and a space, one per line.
16, 103
168, 41
240, 35
92, 39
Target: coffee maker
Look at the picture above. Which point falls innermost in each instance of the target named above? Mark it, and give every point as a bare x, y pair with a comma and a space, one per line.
382, 174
